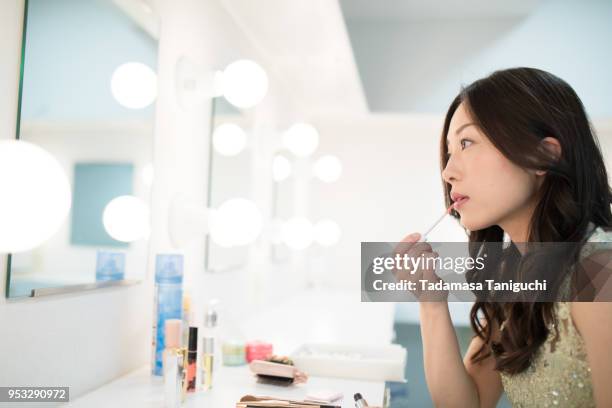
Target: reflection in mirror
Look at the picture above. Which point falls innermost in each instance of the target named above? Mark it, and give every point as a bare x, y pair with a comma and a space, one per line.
283, 205
229, 179
87, 96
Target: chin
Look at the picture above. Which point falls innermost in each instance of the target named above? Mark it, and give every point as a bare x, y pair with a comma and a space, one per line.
475, 224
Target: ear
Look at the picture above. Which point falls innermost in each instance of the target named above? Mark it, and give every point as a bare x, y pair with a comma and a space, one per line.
553, 147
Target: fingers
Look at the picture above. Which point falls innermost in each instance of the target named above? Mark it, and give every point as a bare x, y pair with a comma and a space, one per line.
412, 248
406, 243
414, 237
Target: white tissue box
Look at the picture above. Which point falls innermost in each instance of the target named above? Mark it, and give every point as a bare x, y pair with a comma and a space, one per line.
379, 363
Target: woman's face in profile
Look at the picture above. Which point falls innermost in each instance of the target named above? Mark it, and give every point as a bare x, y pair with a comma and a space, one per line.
500, 192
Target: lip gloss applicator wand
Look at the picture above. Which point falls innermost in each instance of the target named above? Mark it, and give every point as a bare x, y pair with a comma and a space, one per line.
424, 236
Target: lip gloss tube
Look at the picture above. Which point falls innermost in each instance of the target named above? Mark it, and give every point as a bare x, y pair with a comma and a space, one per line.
192, 354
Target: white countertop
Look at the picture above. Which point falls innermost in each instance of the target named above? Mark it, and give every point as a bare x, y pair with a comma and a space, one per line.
141, 389
322, 316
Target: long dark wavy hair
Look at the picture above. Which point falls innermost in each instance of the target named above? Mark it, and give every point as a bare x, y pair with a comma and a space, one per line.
516, 108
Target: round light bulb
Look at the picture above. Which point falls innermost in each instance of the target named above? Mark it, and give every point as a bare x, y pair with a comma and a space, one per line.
281, 168
134, 85
326, 232
236, 222
298, 233
229, 139
126, 218
301, 139
328, 168
245, 83
36, 196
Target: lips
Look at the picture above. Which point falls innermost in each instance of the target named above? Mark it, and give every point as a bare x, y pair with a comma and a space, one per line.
458, 199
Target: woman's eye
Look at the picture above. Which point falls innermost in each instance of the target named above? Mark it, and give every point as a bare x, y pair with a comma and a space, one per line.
448, 155
464, 140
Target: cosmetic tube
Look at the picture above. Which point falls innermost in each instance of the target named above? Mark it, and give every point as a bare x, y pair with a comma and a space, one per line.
192, 358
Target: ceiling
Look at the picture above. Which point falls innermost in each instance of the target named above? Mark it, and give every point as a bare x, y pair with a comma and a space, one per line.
304, 44
415, 10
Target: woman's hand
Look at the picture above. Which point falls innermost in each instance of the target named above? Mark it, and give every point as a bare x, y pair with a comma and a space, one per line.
409, 246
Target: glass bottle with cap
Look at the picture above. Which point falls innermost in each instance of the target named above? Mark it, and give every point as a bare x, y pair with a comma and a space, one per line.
209, 346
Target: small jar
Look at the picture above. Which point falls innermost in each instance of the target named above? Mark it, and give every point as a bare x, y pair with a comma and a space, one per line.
258, 350
234, 353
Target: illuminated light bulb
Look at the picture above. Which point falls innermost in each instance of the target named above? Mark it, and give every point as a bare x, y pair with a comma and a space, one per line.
328, 168
244, 83
126, 218
229, 139
134, 85
36, 196
301, 139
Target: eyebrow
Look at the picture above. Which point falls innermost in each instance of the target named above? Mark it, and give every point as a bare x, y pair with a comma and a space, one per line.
460, 129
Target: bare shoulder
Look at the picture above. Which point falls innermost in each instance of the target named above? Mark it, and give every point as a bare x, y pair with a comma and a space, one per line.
589, 316
593, 320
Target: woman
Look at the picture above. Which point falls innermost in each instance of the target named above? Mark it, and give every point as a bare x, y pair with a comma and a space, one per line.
519, 145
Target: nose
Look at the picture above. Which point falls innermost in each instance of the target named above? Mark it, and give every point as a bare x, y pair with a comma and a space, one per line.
450, 173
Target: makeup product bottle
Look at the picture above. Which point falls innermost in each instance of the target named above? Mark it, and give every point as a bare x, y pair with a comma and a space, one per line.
186, 318
208, 347
234, 352
182, 361
172, 336
167, 301
172, 380
173, 364
360, 402
192, 358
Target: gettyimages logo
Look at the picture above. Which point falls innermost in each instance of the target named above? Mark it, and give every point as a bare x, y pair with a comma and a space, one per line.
486, 271
412, 264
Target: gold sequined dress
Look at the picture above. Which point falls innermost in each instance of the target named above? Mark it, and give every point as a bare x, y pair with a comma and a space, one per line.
559, 375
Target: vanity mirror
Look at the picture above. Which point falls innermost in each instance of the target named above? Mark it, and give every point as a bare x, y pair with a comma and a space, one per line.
229, 185
283, 201
87, 93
